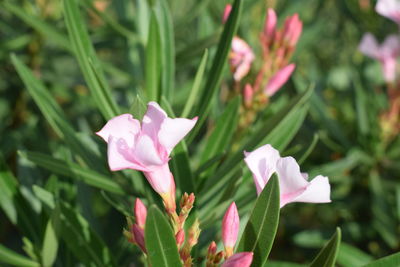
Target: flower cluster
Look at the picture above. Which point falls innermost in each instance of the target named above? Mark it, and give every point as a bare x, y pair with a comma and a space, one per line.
146, 146
278, 46
387, 54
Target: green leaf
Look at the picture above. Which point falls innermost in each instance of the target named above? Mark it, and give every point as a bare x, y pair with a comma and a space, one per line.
153, 60
8, 190
196, 86
81, 240
53, 113
39, 25
10, 257
167, 48
87, 59
138, 108
74, 171
350, 256
50, 244
327, 256
222, 135
388, 261
160, 241
45, 196
212, 84
260, 231
180, 165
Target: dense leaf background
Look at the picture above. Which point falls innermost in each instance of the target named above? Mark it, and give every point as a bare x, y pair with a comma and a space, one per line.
68, 66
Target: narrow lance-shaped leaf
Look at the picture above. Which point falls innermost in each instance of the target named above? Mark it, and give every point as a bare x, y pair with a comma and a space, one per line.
215, 74
10, 257
50, 243
260, 231
223, 132
74, 171
153, 60
160, 241
327, 256
196, 86
168, 49
85, 54
53, 113
388, 261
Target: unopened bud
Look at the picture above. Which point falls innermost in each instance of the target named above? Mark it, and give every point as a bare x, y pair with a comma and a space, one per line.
279, 79
230, 228
227, 11
218, 257
194, 233
270, 24
180, 238
138, 234
248, 93
212, 248
140, 213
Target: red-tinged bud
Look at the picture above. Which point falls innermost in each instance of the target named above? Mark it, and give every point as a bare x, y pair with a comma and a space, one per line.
180, 238
194, 233
279, 79
138, 234
218, 257
230, 229
242, 259
227, 11
140, 213
292, 29
248, 93
270, 24
212, 248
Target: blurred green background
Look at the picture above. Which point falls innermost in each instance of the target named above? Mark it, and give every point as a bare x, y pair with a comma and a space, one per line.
343, 116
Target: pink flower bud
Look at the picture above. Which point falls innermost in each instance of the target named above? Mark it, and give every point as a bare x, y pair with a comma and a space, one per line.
230, 227
227, 11
140, 213
270, 24
292, 29
279, 79
138, 234
242, 259
180, 238
248, 93
212, 249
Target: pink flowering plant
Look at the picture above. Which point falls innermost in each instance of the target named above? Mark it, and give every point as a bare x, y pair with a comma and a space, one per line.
196, 133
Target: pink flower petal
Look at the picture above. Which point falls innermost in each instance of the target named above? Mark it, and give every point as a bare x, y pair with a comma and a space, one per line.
242, 259
120, 156
291, 180
369, 46
172, 131
317, 191
145, 152
161, 179
262, 163
389, 9
123, 126
270, 23
152, 121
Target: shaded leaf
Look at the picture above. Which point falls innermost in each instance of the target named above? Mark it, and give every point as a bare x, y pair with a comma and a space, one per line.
327, 256
259, 233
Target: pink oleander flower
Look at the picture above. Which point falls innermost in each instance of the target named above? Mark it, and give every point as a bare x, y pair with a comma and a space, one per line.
386, 53
294, 187
230, 229
279, 79
146, 146
242, 259
389, 9
240, 58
